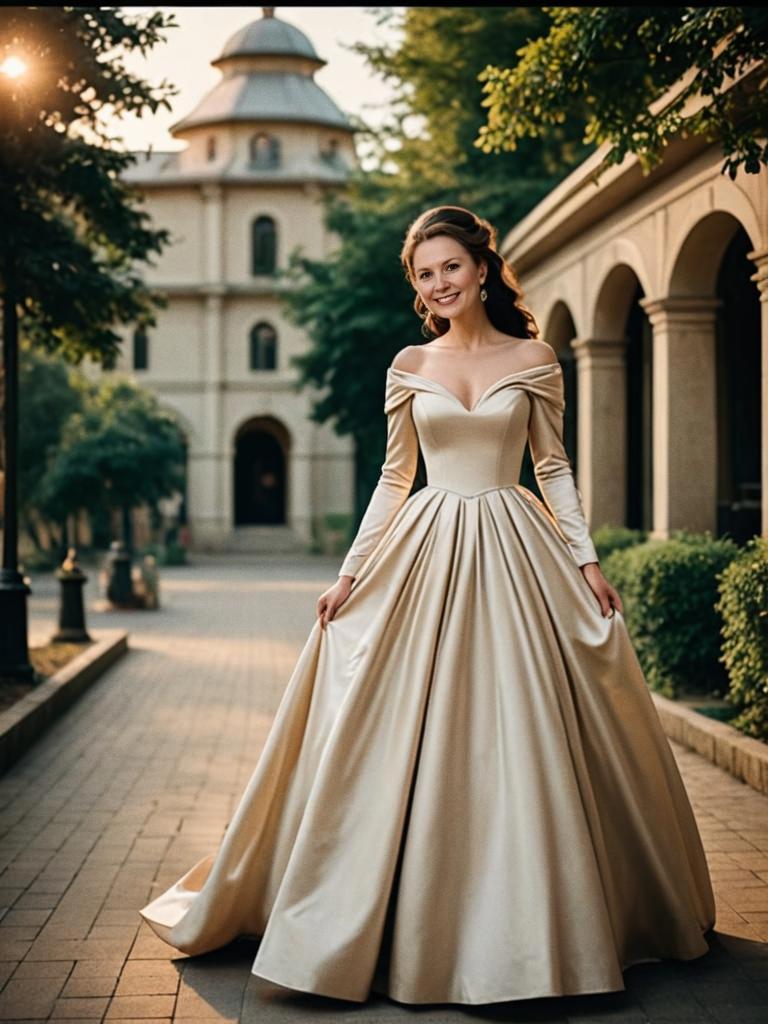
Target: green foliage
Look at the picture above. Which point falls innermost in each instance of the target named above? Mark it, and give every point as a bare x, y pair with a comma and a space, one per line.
743, 605
357, 308
670, 591
41, 560
615, 538
171, 553
357, 305
336, 521
438, 110
72, 228
331, 533
618, 61
121, 451
47, 398
721, 714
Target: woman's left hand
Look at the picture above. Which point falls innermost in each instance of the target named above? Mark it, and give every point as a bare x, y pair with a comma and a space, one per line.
606, 595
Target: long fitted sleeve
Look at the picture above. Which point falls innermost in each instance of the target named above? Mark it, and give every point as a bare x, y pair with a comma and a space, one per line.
397, 475
554, 472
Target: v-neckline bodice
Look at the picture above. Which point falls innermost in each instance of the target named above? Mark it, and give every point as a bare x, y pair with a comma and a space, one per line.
488, 391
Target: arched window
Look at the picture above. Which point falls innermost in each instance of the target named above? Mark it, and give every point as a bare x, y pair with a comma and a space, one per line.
263, 347
263, 246
330, 152
264, 150
140, 349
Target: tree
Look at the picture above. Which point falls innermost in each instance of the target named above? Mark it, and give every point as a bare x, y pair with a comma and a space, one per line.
72, 228
357, 309
120, 451
618, 61
48, 397
357, 305
72, 231
438, 109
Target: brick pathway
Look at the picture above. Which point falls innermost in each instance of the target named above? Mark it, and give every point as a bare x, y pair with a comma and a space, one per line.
138, 780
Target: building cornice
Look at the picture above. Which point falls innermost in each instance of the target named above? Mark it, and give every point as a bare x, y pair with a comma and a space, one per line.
237, 180
254, 289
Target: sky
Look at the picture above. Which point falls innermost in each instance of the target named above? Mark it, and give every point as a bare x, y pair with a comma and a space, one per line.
184, 59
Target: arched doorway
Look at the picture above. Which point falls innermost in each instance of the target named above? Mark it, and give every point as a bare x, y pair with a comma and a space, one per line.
624, 333
261, 451
737, 344
712, 273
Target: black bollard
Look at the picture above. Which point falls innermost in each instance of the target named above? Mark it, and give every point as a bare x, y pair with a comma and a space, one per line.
71, 611
119, 583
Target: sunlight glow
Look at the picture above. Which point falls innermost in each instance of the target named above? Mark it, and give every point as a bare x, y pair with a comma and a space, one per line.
13, 67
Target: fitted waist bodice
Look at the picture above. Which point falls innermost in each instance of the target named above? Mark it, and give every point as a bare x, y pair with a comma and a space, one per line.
473, 451
470, 451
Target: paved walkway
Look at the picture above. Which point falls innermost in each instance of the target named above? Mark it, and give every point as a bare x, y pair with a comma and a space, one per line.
138, 780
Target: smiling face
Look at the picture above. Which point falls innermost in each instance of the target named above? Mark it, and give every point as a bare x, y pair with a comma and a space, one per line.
446, 277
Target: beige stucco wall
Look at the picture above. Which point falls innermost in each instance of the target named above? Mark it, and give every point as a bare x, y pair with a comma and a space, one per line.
199, 349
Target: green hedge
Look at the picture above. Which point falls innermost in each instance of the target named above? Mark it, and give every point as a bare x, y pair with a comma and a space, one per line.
743, 605
331, 533
165, 554
670, 590
608, 539
36, 560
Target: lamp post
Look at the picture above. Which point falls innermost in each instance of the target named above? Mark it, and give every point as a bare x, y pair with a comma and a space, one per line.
14, 651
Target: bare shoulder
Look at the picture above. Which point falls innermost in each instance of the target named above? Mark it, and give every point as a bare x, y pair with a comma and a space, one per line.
406, 359
537, 353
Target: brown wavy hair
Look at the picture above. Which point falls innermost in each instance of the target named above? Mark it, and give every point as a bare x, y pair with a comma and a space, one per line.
504, 304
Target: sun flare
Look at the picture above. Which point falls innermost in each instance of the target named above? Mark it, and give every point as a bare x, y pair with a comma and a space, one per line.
13, 67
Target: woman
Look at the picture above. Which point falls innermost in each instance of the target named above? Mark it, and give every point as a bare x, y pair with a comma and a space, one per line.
466, 794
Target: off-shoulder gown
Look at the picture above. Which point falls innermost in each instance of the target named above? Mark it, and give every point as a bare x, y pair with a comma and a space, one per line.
466, 795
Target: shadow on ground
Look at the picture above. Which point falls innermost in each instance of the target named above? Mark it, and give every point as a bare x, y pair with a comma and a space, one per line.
728, 985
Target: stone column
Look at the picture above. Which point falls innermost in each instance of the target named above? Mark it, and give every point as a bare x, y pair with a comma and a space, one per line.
212, 514
602, 444
213, 235
684, 413
299, 499
760, 277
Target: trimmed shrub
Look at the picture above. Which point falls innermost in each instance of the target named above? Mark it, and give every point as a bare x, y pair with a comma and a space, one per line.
174, 554
670, 591
37, 560
615, 538
171, 553
743, 606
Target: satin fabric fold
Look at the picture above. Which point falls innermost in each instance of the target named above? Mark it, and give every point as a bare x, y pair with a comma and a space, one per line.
466, 794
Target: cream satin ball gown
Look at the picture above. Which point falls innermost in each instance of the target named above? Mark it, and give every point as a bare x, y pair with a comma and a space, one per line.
466, 794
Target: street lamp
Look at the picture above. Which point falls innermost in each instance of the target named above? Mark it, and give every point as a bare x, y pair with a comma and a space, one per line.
14, 651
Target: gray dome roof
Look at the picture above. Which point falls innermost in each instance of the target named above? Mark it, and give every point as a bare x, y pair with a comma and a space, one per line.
268, 35
266, 96
267, 70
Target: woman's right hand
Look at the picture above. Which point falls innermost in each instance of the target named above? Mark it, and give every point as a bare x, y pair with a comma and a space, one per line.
332, 599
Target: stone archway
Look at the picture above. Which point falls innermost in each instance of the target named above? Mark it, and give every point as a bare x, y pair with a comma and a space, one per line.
620, 361
737, 356
260, 473
707, 339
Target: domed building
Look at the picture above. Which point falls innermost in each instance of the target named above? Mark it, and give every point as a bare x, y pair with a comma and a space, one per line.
262, 149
